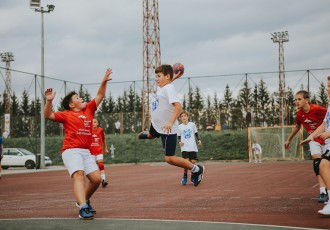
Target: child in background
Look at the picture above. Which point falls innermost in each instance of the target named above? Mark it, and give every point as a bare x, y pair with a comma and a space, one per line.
256, 151
98, 148
187, 136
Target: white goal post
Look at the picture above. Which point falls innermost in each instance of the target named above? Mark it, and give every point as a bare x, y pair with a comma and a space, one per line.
270, 139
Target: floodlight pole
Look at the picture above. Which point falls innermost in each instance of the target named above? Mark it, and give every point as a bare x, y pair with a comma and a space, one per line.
42, 87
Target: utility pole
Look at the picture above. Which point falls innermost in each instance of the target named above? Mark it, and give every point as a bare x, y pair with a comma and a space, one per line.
280, 38
7, 58
151, 56
42, 10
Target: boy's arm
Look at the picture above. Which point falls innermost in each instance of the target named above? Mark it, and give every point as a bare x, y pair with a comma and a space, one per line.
314, 134
105, 144
177, 110
103, 87
48, 110
292, 134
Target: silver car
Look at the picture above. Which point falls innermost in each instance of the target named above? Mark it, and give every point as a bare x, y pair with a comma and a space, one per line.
17, 157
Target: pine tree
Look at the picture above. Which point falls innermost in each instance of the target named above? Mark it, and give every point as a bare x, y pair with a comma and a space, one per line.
322, 96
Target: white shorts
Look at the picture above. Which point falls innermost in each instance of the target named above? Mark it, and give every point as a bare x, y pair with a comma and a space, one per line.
79, 159
316, 148
257, 152
98, 157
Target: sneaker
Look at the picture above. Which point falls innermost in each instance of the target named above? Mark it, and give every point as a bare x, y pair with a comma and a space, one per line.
325, 210
323, 198
85, 213
92, 210
192, 179
145, 135
198, 177
104, 183
184, 180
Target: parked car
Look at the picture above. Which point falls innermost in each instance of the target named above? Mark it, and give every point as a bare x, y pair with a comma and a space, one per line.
18, 157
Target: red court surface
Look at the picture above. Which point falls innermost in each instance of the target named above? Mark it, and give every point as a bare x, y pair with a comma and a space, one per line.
271, 193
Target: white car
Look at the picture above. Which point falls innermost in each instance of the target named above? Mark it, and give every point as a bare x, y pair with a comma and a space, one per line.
17, 157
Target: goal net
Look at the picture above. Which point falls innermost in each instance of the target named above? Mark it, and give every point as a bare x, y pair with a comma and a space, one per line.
271, 140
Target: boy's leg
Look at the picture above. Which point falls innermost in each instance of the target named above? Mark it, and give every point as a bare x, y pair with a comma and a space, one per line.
79, 186
325, 172
316, 149
169, 145
93, 184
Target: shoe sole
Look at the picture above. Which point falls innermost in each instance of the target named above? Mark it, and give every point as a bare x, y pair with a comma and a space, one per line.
322, 213
104, 184
82, 218
202, 176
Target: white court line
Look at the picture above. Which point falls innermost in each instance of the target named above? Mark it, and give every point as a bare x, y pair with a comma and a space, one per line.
180, 221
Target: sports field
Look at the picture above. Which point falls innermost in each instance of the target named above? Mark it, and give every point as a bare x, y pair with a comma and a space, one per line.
268, 194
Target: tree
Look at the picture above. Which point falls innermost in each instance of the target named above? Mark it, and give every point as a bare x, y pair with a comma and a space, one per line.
322, 96
226, 104
263, 102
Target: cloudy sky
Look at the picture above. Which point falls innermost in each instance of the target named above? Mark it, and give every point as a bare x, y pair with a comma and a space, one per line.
210, 37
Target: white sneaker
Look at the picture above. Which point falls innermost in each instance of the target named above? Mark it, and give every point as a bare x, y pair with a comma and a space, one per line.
325, 210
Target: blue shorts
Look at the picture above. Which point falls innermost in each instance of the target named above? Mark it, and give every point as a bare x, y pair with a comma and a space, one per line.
168, 141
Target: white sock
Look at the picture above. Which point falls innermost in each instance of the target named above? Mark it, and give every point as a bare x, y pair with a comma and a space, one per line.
323, 190
81, 205
195, 169
103, 176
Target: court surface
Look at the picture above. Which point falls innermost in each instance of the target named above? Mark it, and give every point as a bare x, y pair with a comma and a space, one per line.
240, 195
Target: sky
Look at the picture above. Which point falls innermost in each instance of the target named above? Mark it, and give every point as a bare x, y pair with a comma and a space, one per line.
210, 37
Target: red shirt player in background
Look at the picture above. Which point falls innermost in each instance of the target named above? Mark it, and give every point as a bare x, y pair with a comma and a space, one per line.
310, 116
98, 148
77, 121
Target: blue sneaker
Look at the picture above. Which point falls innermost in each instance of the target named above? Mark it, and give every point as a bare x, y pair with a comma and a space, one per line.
145, 135
85, 213
92, 210
323, 198
184, 180
192, 179
198, 177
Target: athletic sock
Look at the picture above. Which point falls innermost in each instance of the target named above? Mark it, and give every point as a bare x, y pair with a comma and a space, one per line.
323, 190
81, 205
103, 176
195, 169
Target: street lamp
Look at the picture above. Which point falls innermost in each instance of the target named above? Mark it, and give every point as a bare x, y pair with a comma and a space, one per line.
41, 9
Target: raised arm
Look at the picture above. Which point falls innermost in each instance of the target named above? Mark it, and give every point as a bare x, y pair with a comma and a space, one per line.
48, 110
103, 87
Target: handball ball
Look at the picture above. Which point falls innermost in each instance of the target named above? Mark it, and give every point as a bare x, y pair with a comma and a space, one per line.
178, 67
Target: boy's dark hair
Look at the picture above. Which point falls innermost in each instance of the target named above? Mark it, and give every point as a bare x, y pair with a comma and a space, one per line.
304, 93
67, 100
165, 69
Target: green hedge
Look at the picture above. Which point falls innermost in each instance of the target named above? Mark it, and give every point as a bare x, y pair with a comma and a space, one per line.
224, 145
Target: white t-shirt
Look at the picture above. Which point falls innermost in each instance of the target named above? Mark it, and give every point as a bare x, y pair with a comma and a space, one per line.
162, 108
256, 148
187, 133
327, 126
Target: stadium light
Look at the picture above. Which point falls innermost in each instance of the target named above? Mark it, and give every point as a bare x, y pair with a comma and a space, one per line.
42, 10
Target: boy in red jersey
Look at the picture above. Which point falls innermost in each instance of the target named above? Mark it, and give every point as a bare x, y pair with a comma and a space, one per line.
310, 116
77, 121
98, 148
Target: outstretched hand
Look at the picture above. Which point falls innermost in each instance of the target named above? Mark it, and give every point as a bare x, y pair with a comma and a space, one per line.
50, 94
107, 77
